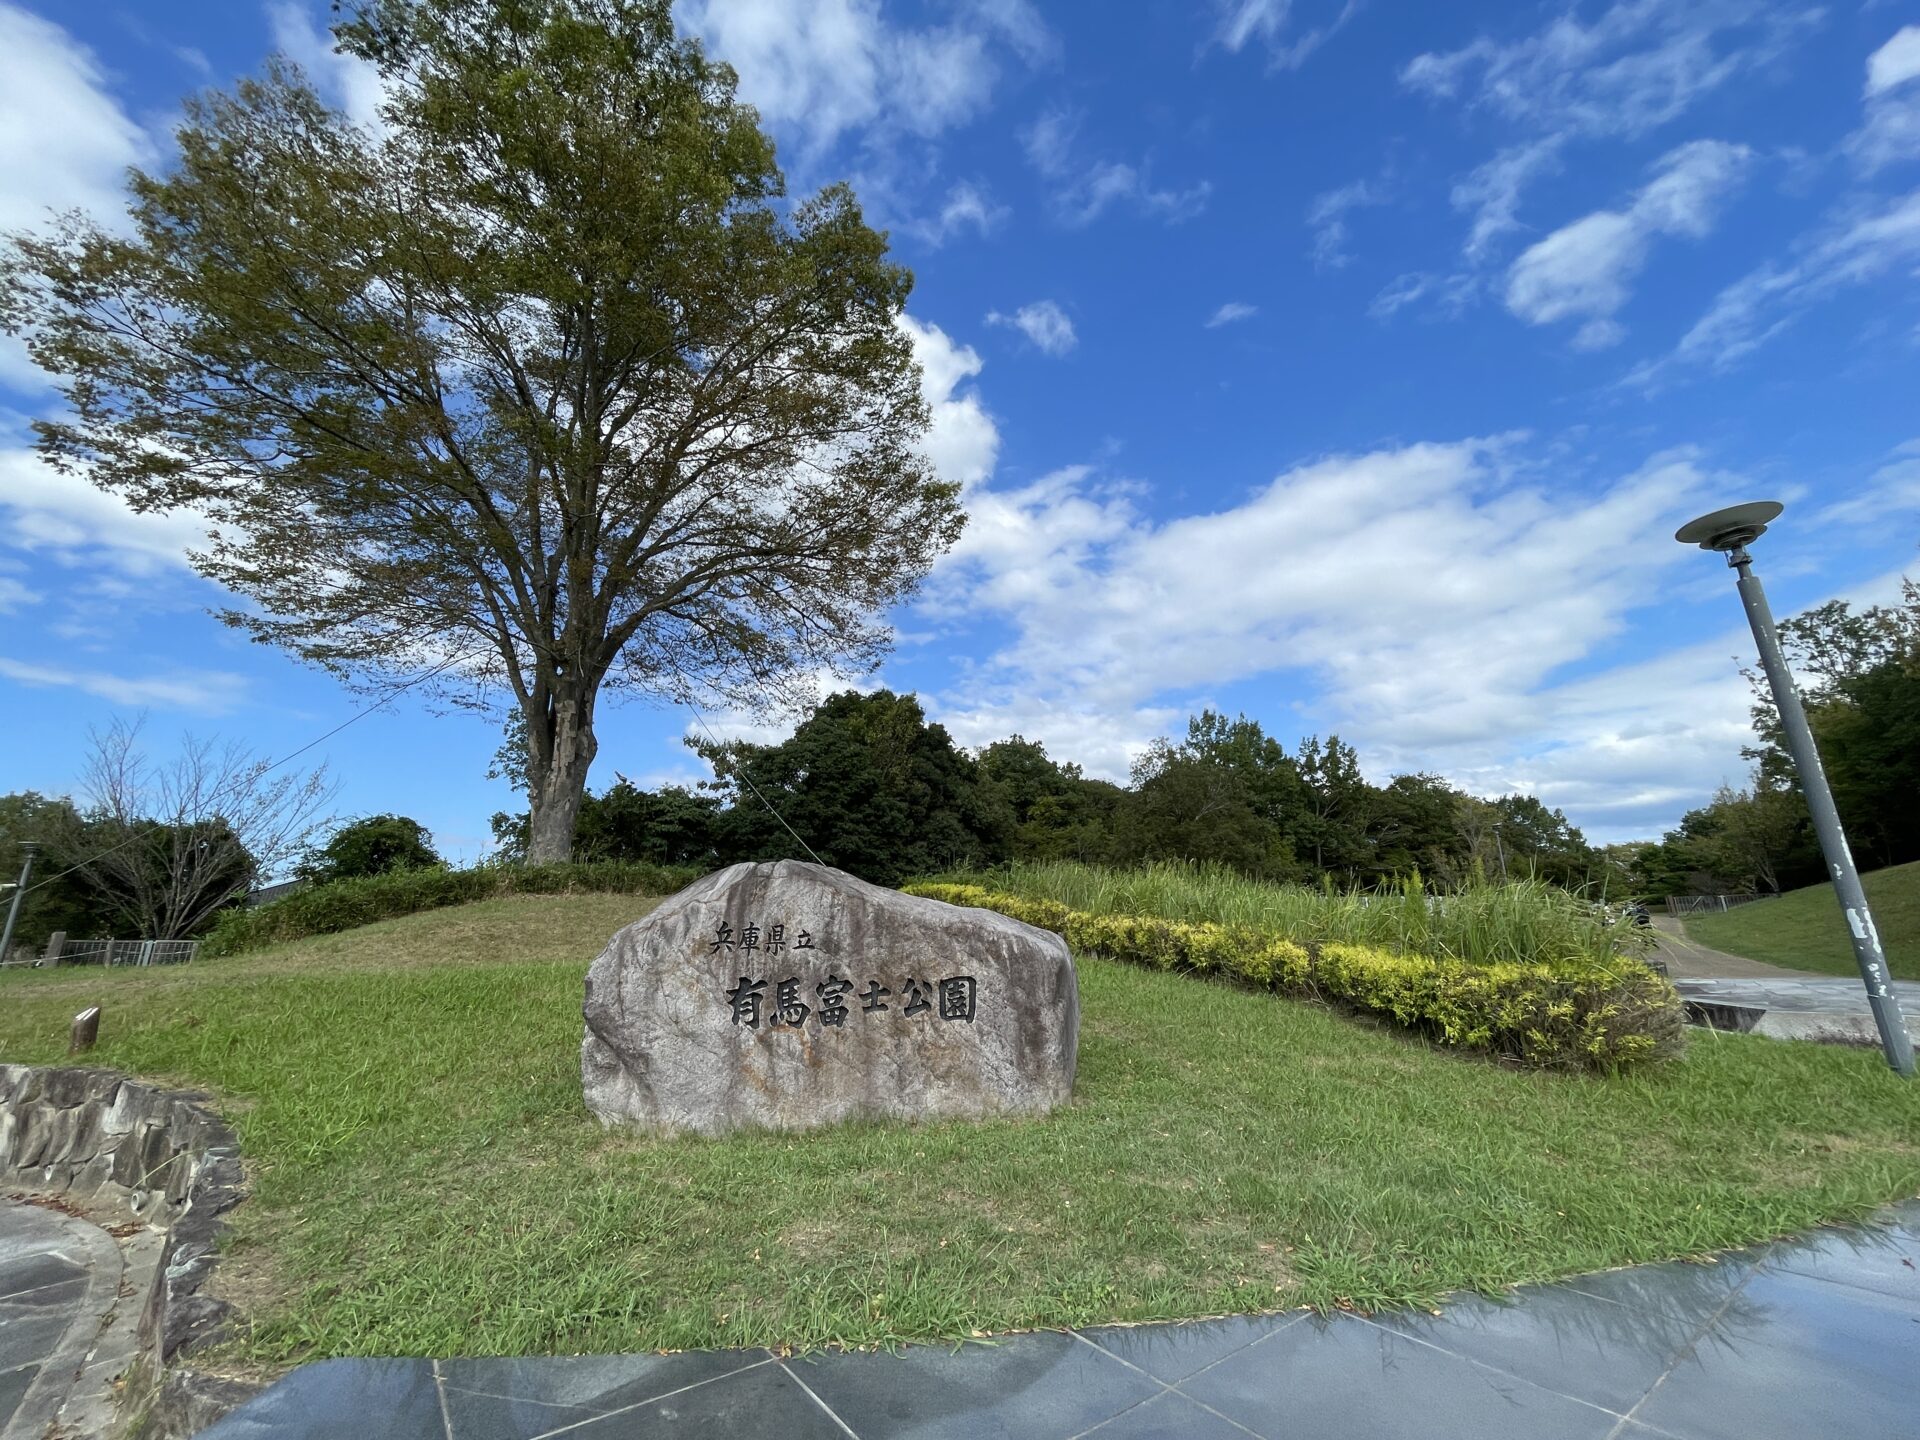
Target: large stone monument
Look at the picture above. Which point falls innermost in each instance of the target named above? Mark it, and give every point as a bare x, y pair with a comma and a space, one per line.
786, 995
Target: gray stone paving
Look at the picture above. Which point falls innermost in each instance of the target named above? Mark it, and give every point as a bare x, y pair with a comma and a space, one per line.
1687, 959
59, 1280
1832, 1009
1814, 1337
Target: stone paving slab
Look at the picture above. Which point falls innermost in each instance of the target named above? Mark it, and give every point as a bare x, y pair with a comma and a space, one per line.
1833, 1010
1811, 1337
59, 1280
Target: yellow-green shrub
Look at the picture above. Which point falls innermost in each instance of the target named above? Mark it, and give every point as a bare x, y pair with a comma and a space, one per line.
1561, 1014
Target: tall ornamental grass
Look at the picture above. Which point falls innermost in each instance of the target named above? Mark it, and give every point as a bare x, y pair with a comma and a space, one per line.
1573, 1012
1482, 923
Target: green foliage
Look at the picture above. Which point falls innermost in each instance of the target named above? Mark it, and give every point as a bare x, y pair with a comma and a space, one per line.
1744, 840
1806, 929
1563, 1012
1229, 794
375, 845
1869, 737
668, 826
1058, 813
1859, 676
346, 904
1184, 807
53, 901
869, 785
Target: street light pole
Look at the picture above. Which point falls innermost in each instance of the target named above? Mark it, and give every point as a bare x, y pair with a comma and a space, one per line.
1728, 531
31, 848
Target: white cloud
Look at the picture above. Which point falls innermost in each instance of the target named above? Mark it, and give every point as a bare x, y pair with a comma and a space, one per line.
14, 592
1492, 192
967, 206
1044, 323
1451, 293
1859, 247
1586, 269
962, 441
1626, 751
1022, 547
344, 81
1084, 190
1891, 130
65, 144
1105, 743
1894, 63
1243, 21
1891, 133
1231, 311
77, 525
1894, 489
1453, 664
211, 692
832, 66
800, 692
1638, 65
1328, 217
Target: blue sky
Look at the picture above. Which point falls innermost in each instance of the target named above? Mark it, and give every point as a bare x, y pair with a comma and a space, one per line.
1348, 364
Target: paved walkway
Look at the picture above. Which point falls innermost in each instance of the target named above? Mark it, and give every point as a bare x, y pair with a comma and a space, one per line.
1815, 1337
1731, 992
59, 1280
1687, 960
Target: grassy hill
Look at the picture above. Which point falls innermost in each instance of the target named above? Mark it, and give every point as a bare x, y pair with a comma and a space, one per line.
1804, 929
426, 1180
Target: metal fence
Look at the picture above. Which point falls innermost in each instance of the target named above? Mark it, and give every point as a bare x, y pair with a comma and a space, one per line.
1704, 904
267, 894
125, 952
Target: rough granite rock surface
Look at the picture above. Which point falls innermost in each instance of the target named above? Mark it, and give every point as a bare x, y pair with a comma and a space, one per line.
786, 995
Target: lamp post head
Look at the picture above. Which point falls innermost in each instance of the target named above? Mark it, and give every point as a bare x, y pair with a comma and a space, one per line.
1730, 529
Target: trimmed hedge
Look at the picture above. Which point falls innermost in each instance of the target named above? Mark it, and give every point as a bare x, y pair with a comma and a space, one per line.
345, 904
1546, 1014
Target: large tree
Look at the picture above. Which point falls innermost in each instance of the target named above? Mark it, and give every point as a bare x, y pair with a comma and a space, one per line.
544, 381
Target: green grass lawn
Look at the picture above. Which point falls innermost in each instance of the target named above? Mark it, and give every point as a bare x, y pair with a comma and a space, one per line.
1804, 929
427, 1180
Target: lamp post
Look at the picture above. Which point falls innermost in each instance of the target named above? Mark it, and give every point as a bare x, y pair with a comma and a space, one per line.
1729, 531
29, 848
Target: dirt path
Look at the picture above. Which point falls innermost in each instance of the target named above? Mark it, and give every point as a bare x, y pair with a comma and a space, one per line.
1688, 961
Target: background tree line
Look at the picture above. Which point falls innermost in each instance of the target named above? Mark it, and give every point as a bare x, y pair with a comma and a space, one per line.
156, 848
873, 787
1859, 673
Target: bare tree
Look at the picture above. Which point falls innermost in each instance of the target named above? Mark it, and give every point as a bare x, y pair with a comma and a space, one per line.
165, 844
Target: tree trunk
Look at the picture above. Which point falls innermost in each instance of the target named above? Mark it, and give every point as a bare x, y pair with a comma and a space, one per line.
557, 780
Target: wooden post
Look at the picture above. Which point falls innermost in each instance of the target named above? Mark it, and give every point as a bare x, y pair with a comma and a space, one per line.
86, 1030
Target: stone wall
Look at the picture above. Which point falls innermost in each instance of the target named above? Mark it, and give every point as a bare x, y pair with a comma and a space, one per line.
121, 1146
